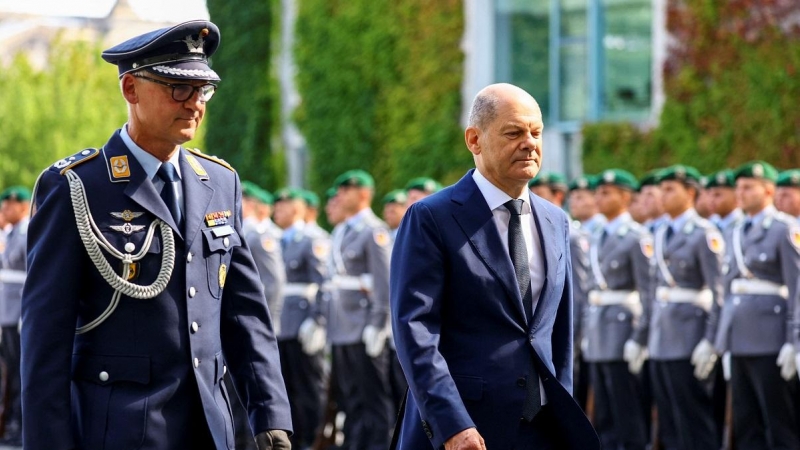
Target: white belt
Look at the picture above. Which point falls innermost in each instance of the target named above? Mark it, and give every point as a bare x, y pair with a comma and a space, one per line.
755, 286
307, 290
629, 299
352, 283
702, 298
12, 276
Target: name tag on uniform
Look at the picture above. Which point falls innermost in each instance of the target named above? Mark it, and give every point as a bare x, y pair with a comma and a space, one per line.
226, 230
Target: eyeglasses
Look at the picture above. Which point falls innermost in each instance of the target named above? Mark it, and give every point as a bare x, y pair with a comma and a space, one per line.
182, 92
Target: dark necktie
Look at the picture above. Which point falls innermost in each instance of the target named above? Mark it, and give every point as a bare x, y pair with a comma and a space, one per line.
669, 233
519, 258
169, 193
748, 223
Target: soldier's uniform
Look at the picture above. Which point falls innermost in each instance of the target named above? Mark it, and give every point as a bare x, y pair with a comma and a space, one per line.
358, 317
186, 303
761, 270
304, 255
12, 276
688, 295
724, 179
788, 187
651, 179
620, 275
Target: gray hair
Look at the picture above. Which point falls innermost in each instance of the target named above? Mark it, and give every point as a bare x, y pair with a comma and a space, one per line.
484, 110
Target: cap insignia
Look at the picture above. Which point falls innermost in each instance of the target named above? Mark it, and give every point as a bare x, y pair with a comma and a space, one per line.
758, 170
194, 45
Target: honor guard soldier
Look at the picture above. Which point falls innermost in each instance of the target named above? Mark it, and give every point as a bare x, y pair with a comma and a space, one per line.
687, 253
301, 338
583, 205
421, 187
15, 208
650, 197
142, 292
394, 207
787, 193
762, 268
358, 317
721, 187
312, 214
551, 186
620, 273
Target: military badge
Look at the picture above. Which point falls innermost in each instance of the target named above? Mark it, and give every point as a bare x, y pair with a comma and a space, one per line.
195, 165
794, 238
126, 215
133, 271
646, 244
217, 218
381, 237
758, 170
715, 242
269, 244
223, 273
127, 229
608, 176
320, 248
120, 167
194, 45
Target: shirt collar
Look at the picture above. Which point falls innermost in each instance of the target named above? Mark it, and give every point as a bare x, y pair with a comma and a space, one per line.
149, 163
357, 217
496, 198
614, 225
678, 222
760, 216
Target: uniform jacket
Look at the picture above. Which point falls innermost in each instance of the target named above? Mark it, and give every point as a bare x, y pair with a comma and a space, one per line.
13, 259
264, 241
361, 249
130, 383
461, 332
624, 265
305, 259
757, 325
676, 328
579, 240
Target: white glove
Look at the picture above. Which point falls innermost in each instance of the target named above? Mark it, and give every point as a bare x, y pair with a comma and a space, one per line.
703, 359
635, 355
786, 361
311, 336
726, 366
374, 340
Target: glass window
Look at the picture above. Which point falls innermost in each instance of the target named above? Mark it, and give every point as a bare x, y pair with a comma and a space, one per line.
626, 58
574, 98
522, 30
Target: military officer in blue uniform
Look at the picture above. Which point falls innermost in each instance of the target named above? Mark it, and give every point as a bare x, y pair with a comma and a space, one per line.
787, 193
15, 208
619, 270
142, 292
683, 323
358, 317
551, 186
761, 269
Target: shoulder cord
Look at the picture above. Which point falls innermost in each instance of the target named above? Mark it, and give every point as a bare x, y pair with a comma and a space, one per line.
93, 240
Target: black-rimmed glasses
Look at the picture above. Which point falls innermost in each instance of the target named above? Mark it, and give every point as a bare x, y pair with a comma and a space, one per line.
182, 91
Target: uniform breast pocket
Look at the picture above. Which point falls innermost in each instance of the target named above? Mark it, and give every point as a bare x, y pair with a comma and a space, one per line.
761, 258
130, 240
219, 245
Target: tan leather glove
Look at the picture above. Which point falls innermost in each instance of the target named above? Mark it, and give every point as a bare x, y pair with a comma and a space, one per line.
273, 440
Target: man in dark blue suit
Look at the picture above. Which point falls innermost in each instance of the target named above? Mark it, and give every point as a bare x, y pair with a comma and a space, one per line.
142, 292
481, 299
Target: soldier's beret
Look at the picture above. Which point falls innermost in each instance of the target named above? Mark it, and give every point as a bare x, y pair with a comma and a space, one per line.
587, 182
330, 193
311, 198
757, 169
16, 193
288, 193
356, 178
249, 189
552, 180
424, 184
618, 177
649, 179
789, 178
723, 178
180, 51
679, 172
395, 196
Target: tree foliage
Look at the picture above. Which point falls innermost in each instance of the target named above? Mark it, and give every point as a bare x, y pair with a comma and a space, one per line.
731, 85
380, 85
243, 118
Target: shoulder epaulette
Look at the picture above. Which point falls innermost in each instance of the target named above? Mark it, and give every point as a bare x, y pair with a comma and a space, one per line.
78, 158
219, 161
704, 223
785, 218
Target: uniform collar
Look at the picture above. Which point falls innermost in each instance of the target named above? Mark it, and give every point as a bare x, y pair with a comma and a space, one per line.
496, 198
149, 163
612, 227
353, 221
678, 222
758, 218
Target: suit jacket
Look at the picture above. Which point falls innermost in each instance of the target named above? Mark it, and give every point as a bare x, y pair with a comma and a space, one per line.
148, 374
13, 258
461, 332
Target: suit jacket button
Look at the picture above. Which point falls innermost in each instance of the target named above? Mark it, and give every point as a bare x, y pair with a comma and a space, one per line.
103, 376
427, 430
521, 382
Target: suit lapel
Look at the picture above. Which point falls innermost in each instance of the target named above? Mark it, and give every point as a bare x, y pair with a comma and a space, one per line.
552, 251
196, 204
477, 222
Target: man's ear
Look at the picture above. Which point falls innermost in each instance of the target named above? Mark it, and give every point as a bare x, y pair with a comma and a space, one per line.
472, 137
128, 87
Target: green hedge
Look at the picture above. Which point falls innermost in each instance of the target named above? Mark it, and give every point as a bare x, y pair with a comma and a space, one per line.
380, 82
731, 88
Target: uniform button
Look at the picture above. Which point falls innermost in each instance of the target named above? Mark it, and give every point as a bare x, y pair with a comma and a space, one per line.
85, 152
224, 370
614, 264
189, 257
303, 304
762, 257
196, 363
621, 317
103, 376
226, 242
192, 292
195, 327
129, 247
294, 264
777, 309
521, 381
363, 303
736, 300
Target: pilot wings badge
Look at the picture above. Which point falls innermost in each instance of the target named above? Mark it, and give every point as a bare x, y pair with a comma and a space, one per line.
126, 215
127, 229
